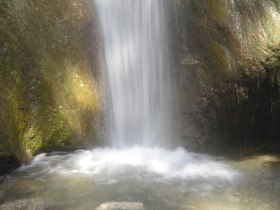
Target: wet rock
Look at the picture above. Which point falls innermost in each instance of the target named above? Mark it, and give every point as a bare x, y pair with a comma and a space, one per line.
121, 206
27, 186
28, 204
7, 165
45, 109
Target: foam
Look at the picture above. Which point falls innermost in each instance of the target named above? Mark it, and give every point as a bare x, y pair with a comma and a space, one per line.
166, 164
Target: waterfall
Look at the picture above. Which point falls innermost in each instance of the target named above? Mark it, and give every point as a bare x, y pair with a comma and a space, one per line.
138, 71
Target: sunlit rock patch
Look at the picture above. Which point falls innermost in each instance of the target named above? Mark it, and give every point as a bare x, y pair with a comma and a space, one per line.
48, 79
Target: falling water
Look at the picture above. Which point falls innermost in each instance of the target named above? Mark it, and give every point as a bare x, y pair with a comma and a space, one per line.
135, 52
135, 168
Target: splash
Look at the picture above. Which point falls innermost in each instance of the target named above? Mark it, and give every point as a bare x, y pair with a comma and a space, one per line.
151, 162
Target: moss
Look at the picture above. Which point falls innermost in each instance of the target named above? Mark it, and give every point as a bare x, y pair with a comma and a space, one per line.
242, 69
220, 57
275, 77
236, 41
241, 94
277, 3
274, 73
218, 9
4, 151
59, 137
43, 47
33, 140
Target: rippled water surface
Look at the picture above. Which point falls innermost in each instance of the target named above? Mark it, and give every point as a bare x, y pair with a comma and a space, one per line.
160, 179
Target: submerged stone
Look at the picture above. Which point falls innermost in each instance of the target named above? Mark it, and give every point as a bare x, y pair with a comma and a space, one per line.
121, 206
28, 204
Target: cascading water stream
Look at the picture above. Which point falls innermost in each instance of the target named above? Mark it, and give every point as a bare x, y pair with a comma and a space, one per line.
139, 164
135, 52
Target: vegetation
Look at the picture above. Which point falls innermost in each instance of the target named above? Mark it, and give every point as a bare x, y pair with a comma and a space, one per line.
49, 92
236, 100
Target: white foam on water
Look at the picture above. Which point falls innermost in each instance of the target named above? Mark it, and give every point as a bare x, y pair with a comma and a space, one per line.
166, 164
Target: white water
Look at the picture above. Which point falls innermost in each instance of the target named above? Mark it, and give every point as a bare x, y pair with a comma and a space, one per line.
161, 179
107, 162
139, 166
135, 53
134, 48
137, 65
138, 72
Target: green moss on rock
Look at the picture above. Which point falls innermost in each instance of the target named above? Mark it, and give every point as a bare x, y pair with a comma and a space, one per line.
236, 103
221, 58
48, 83
277, 3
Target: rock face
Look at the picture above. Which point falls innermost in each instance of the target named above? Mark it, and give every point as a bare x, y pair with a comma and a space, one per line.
121, 206
30, 204
48, 77
228, 72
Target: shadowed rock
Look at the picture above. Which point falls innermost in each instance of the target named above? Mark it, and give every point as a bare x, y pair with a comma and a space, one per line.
121, 206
